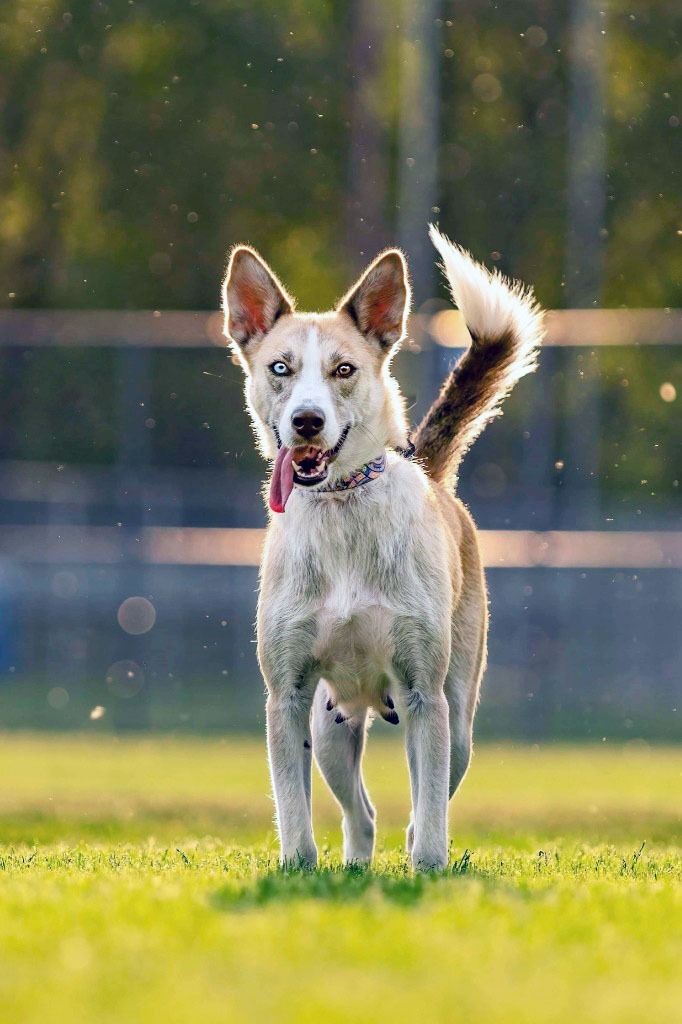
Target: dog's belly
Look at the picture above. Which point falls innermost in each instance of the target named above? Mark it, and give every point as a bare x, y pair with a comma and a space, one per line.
354, 651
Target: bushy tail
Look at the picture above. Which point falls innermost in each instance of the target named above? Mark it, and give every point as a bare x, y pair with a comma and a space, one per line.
505, 324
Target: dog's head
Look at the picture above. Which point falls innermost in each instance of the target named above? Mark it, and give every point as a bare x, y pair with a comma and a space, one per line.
319, 384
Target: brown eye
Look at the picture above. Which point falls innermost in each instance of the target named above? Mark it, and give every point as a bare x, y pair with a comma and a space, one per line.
345, 370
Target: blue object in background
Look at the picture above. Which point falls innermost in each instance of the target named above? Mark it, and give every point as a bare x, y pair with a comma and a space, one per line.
8, 619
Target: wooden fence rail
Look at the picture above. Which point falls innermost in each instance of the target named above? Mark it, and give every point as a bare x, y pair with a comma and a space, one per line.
187, 329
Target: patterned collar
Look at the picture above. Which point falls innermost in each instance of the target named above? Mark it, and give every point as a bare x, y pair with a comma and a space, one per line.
370, 471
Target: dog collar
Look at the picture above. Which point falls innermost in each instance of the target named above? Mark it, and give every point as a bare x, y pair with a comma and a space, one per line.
370, 471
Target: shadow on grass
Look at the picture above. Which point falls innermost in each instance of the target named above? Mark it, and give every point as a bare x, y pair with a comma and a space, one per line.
337, 885
497, 874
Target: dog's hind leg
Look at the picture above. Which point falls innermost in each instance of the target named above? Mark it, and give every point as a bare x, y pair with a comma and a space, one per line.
421, 658
338, 748
461, 690
467, 662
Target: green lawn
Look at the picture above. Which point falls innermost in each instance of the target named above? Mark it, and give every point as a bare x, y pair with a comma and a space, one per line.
138, 882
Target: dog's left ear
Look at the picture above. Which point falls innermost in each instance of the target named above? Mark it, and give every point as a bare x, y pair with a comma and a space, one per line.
253, 298
379, 303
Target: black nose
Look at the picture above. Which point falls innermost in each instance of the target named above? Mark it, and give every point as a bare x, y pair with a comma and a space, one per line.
308, 422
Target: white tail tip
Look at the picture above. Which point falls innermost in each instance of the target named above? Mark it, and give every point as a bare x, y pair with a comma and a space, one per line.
491, 305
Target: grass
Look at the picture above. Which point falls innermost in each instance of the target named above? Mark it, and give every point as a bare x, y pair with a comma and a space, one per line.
139, 882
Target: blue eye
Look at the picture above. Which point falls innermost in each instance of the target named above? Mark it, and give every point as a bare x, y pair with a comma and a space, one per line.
280, 369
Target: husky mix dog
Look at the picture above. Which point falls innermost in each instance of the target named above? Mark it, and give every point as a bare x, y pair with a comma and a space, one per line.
372, 598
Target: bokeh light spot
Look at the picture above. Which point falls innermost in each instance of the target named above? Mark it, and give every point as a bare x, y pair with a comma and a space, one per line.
536, 36
487, 88
125, 678
58, 698
136, 615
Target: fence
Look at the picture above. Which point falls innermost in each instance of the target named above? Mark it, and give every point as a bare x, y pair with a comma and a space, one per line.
584, 637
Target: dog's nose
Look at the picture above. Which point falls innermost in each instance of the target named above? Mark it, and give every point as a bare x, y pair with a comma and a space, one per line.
308, 422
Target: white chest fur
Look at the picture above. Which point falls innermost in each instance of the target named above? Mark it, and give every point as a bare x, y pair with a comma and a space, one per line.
352, 566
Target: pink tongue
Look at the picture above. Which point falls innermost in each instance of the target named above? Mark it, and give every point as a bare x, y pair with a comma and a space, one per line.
282, 481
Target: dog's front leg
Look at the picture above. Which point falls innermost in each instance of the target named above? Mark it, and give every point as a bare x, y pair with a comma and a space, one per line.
286, 659
290, 755
428, 749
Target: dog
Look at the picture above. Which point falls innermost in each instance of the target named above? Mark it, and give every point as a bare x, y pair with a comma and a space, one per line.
372, 595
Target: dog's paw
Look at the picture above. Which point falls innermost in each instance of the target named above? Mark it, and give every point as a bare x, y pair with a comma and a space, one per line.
424, 859
299, 860
358, 841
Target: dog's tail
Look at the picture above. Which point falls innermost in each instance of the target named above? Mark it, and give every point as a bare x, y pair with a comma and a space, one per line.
505, 324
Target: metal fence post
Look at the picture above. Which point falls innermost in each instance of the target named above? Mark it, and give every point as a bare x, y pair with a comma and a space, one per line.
418, 166
134, 456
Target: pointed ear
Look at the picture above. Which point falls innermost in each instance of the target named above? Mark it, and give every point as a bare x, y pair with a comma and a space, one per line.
253, 298
379, 302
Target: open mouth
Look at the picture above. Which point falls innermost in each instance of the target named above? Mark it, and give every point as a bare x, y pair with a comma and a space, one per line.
311, 464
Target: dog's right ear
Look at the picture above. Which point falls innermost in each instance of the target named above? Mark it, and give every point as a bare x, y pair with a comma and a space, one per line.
253, 298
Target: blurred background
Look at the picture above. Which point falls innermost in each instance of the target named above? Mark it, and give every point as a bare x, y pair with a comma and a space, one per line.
139, 142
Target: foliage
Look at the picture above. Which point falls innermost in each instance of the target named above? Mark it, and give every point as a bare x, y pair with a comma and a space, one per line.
141, 140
